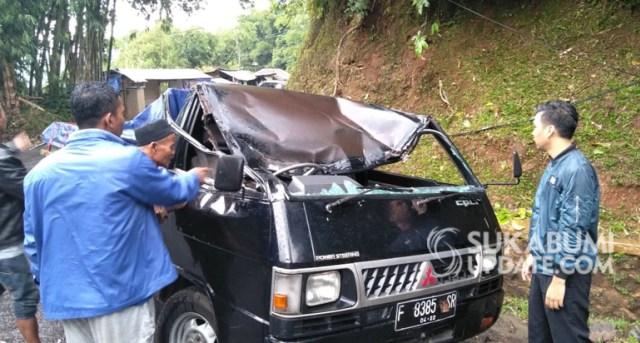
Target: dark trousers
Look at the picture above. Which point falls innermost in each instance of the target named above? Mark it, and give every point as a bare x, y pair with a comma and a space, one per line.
567, 325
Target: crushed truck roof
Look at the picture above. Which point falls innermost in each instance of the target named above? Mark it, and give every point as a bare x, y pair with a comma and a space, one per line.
277, 128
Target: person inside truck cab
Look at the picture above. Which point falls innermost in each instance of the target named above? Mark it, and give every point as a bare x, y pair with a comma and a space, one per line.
412, 234
212, 139
419, 229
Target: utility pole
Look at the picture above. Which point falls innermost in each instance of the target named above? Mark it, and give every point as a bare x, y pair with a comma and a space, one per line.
238, 51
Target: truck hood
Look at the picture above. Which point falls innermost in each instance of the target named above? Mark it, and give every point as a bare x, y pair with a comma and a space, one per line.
273, 129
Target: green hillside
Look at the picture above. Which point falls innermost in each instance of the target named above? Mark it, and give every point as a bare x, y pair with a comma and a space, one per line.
495, 73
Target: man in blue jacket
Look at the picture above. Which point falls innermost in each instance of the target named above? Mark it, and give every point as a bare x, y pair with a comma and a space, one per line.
90, 231
563, 233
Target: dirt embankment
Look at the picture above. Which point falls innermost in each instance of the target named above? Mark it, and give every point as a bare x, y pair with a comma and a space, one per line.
476, 73
490, 75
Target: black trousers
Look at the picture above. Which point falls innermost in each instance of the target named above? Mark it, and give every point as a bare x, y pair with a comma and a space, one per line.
567, 325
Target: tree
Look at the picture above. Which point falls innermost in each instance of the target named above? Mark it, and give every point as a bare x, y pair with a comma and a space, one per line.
255, 41
226, 51
260, 34
166, 47
152, 49
41, 52
18, 21
196, 47
293, 21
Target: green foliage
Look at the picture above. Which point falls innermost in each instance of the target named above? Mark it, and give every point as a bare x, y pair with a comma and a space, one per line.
257, 34
420, 5
620, 324
518, 306
505, 215
153, 49
18, 20
318, 8
419, 43
269, 38
429, 161
294, 23
196, 47
357, 8
435, 28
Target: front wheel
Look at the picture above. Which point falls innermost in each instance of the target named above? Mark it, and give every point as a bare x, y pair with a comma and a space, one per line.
187, 317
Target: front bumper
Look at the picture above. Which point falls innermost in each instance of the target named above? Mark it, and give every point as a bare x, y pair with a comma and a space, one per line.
376, 325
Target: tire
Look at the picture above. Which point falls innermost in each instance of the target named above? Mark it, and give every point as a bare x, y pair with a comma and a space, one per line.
187, 317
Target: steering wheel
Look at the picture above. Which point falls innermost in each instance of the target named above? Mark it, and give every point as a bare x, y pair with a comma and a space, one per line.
314, 168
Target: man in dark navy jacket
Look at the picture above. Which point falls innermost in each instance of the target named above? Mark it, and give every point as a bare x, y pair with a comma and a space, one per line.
563, 233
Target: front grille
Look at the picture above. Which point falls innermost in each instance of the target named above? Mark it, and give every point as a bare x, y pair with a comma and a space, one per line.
330, 323
404, 277
455, 268
390, 280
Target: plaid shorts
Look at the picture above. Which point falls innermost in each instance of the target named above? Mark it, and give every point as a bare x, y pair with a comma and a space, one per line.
16, 277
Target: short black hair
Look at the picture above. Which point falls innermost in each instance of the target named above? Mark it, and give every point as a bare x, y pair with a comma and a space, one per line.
561, 114
91, 101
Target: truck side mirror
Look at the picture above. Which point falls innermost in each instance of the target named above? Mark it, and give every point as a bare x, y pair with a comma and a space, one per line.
517, 172
229, 173
517, 167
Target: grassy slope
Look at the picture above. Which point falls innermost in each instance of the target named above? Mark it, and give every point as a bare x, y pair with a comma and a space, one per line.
491, 76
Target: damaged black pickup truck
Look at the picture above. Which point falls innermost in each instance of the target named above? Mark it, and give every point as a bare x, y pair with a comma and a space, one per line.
307, 233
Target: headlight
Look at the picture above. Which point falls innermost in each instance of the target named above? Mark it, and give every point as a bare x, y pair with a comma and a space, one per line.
323, 288
286, 293
489, 260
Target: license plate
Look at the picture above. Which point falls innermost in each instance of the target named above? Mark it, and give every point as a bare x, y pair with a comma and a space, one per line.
425, 311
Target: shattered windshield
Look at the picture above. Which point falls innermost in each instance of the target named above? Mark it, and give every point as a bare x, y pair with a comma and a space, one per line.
429, 169
350, 187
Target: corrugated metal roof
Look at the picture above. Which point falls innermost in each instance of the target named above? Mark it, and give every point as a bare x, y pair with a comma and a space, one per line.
277, 72
241, 75
143, 75
220, 80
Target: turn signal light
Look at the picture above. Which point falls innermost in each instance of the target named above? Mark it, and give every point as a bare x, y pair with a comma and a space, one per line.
280, 301
486, 322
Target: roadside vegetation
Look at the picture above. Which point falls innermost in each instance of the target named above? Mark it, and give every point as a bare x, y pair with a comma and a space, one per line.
262, 39
472, 73
476, 73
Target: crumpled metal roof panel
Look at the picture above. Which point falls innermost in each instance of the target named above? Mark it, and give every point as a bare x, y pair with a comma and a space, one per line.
276, 128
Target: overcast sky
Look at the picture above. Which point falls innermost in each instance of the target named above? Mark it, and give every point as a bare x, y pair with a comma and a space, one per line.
213, 16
